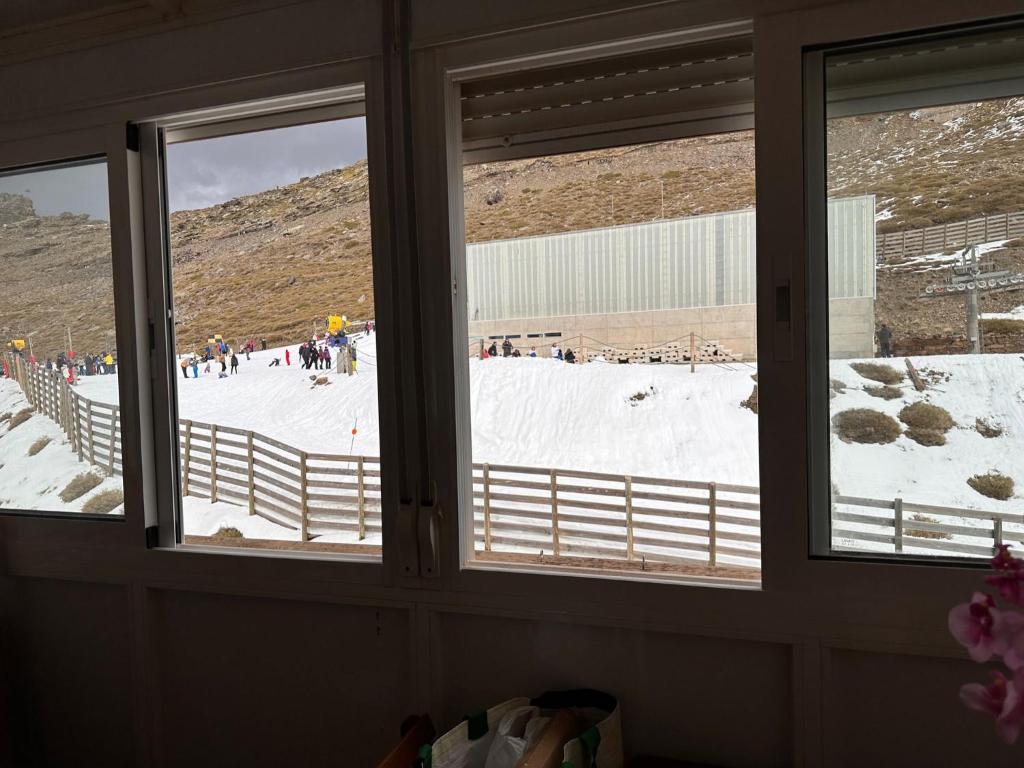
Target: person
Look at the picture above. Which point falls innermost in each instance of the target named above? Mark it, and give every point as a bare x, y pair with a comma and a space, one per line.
884, 336
108, 363
223, 364
195, 367
484, 354
287, 357
49, 364
304, 354
263, 344
234, 364
184, 366
207, 368
506, 347
222, 375
515, 353
275, 362
248, 348
493, 349
556, 352
326, 357
570, 356
352, 352
533, 352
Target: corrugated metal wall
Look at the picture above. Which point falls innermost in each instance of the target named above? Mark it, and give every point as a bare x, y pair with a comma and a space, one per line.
700, 261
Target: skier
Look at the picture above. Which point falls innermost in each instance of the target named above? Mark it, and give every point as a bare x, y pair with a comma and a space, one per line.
207, 368
234, 364
884, 336
506, 348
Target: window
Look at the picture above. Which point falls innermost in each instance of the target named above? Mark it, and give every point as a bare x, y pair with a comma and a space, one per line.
60, 436
924, 143
275, 347
639, 246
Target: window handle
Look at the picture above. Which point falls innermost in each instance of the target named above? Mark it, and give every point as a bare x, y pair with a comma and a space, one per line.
783, 320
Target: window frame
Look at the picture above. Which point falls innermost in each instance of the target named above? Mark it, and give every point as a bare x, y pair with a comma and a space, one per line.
272, 101
39, 153
817, 339
465, 65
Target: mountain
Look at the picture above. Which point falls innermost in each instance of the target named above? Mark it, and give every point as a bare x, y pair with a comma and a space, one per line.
274, 263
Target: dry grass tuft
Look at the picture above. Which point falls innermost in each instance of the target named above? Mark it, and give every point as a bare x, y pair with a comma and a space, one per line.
928, 437
80, 486
923, 415
104, 502
751, 402
38, 445
863, 425
992, 484
884, 374
885, 392
923, 533
228, 532
987, 429
5, 416
20, 418
1008, 327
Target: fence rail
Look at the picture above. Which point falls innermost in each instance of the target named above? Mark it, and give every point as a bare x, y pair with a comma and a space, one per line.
548, 512
955, 234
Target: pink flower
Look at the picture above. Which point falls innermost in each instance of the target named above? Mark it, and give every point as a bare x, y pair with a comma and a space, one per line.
1002, 700
1009, 577
971, 625
1008, 637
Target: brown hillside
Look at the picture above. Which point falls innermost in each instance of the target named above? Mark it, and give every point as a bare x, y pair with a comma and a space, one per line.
273, 264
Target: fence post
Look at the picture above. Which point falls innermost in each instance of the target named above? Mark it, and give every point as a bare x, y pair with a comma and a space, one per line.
997, 533
897, 508
487, 507
113, 436
252, 474
187, 460
304, 495
693, 352
78, 429
213, 463
629, 517
554, 513
712, 524
92, 441
362, 499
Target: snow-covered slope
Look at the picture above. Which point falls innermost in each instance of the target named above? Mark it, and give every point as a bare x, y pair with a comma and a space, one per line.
691, 426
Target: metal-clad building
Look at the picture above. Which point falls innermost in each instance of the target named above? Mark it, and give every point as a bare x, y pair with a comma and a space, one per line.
694, 262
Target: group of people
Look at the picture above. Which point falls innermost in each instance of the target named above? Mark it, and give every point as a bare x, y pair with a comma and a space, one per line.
224, 358
315, 356
509, 350
90, 365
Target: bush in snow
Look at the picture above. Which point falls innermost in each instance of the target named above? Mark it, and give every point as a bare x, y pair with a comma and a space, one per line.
5, 417
926, 436
927, 416
228, 532
837, 386
19, 418
884, 374
922, 533
104, 502
751, 402
987, 428
993, 485
80, 486
38, 445
863, 425
885, 392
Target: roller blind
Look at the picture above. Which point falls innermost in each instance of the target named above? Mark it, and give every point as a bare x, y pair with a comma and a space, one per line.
696, 88
928, 72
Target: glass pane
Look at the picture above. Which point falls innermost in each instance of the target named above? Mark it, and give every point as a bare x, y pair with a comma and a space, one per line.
276, 364
60, 431
926, 313
612, 358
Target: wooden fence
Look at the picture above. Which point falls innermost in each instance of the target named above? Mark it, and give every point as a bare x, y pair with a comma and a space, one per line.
517, 510
944, 237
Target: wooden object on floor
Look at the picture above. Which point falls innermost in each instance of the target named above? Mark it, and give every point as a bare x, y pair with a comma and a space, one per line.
417, 732
548, 750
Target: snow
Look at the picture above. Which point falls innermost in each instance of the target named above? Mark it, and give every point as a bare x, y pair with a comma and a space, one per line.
932, 261
1017, 313
539, 412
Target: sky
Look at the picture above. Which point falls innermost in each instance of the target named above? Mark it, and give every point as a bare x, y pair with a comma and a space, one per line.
211, 171
207, 172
